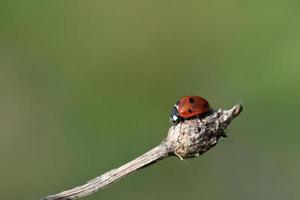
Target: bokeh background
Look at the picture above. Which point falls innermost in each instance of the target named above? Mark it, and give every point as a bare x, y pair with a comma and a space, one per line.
86, 86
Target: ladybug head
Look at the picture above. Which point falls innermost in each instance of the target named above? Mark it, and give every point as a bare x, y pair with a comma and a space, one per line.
175, 116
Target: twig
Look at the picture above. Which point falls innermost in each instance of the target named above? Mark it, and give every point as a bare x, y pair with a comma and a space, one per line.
186, 140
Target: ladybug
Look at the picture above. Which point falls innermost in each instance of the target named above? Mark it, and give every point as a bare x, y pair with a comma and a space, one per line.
189, 107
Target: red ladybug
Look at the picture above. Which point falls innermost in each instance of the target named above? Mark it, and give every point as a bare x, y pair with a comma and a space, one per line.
189, 107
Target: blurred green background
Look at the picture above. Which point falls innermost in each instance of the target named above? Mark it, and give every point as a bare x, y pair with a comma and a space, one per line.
88, 85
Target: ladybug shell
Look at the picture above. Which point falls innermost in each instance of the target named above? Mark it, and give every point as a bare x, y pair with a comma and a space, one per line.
190, 106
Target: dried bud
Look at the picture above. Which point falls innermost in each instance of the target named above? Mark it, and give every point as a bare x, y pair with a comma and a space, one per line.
194, 137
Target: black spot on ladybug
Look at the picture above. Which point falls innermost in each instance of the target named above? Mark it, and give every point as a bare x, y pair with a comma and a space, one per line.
190, 111
205, 105
191, 100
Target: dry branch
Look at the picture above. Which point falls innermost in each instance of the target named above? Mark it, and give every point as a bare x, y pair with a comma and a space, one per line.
186, 140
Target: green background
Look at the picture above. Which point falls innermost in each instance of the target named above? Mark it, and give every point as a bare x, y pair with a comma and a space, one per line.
86, 86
